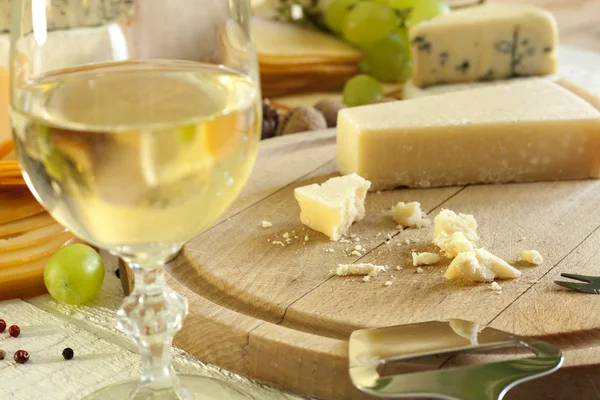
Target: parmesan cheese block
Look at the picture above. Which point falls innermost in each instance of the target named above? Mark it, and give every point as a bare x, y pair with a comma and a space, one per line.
331, 208
487, 42
480, 265
525, 131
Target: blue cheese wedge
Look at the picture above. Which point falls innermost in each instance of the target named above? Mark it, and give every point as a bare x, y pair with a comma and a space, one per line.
521, 132
483, 43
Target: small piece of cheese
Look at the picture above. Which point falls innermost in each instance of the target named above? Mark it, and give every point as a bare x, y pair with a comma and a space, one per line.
359, 269
420, 270
408, 215
532, 256
454, 244
482, 43
331, 208
425, 258
521, 132
454, 233
266, 224
480, 265
495, 287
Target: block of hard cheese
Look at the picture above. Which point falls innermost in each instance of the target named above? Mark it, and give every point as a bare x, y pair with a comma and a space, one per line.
487, 42
331, 208
526, 131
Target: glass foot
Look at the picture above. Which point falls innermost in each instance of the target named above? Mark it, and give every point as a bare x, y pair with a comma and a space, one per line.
195, 388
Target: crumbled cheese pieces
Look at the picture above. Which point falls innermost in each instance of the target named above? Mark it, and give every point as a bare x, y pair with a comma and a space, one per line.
408, 215
420, 270
359, 269
331, 208
454, 233
425, 258
532, 256
480, 265
483, 43
388, 283
495, 287
504, 133
266, 224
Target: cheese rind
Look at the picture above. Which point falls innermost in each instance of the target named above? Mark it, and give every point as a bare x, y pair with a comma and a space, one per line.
331, 208
525, 131
481, 266
487, 42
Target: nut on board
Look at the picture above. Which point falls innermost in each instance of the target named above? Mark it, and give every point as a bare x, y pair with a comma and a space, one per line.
330, 108
301, 119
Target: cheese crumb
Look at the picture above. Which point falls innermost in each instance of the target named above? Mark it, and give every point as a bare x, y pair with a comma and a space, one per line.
358, 247
306, 238
356, 253
425, 258
278, 242
388, 283
532, 256
398, 268
480, 265
367, 278
408, 214
286, 235
495, 287
420, 270
266, 224
329, 250
359, 269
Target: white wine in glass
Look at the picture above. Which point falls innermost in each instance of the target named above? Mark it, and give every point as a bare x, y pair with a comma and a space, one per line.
137, 145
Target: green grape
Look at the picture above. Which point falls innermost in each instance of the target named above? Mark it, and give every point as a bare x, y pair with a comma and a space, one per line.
385, 59
368, 22
420, 10
361, 90
336, 14
74, 274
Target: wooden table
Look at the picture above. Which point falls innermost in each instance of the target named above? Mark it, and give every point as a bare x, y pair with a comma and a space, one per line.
105, 356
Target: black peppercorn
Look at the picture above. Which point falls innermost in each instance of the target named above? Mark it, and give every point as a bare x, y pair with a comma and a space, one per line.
270, 120
68, 353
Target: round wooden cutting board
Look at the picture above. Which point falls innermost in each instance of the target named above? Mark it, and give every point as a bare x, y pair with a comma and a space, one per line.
275, 313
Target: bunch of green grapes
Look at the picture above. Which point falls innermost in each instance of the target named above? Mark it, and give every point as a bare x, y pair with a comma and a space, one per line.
380, 29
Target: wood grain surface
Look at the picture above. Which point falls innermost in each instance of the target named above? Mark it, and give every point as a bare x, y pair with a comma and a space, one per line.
277, 314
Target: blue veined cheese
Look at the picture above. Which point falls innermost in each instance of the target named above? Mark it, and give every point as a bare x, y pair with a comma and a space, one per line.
483, 43
520, 132
71, 13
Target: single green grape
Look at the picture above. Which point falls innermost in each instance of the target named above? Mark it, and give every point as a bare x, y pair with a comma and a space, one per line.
74, 274
420, 10
360, 90
336, 14
368, 22
385, 60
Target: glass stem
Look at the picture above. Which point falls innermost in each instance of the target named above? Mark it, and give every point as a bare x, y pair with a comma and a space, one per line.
151, 316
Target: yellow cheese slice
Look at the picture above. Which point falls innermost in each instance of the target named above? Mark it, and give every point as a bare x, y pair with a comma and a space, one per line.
18, 204
29, 254
26, 280
26, 224
30, 238
283, 41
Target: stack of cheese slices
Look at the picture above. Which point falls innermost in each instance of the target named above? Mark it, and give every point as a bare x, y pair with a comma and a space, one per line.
295, 60
28, 234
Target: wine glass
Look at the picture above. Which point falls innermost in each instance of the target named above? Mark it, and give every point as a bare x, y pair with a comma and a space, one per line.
136, 124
